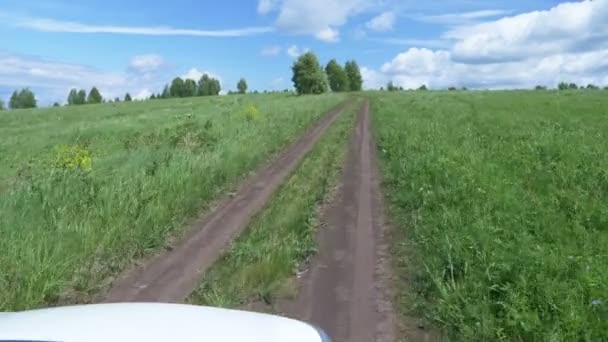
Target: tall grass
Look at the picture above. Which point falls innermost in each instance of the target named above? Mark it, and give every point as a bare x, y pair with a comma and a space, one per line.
67, 226
500, 207
259, 263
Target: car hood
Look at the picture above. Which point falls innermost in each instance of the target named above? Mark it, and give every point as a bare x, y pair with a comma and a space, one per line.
152, 322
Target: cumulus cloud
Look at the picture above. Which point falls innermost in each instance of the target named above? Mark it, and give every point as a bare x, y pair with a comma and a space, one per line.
270, 51
382, 22
52, 80
320, 18
295, 51
568, 42
195, 75
146, 63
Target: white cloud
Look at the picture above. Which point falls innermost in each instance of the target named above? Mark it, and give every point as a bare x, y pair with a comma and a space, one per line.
295, 51
266, 6
143, 94
52, 80
429, 43
568, 27
195, 75
461, 18
328, 35
270, 51
373, 79
146, 63
382, 22
320, 18
568, 42
52, 25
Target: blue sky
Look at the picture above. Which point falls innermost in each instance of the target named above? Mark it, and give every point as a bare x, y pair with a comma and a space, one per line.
139, 46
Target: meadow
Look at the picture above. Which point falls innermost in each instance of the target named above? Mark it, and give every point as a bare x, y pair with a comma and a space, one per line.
498, 204
87, 190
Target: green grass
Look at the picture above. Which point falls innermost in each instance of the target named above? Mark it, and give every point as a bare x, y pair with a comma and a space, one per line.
500, 204
86, 190
260, 263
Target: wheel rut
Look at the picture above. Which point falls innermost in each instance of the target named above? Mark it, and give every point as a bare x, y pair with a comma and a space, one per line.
172, 275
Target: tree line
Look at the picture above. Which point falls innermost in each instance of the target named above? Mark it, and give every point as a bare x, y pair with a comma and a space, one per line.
310, 78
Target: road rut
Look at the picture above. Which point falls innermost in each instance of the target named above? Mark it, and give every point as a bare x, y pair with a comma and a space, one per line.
173, 275
345, 290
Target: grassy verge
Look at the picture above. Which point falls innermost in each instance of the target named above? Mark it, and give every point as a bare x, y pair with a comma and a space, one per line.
86, 190
499, 200
259, 263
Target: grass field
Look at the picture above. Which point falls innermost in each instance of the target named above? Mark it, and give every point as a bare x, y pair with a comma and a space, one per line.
85, 190
499, 202
260, 263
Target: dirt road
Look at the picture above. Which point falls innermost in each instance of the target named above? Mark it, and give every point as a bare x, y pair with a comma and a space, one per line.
344, 292
172, 276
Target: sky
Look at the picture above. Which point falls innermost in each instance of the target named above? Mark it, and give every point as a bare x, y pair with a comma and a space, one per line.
122, 46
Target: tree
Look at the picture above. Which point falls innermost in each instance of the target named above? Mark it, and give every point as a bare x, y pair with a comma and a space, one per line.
591, 86
336, 76
391, 87
56, 104
214, 87
540, 87
423, 87
308, 76
355, 80
166, 92
177, 87
572, 86
117, 99
22, 99
81, 97
452, 89
153, 97
189, 88
242, 86
562, 86
94, 96
128, 97
1, 105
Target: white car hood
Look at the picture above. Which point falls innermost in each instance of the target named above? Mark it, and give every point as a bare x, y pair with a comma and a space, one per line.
151, 322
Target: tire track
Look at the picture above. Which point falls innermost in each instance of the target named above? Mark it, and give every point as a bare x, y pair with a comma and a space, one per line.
345, 291
171, 276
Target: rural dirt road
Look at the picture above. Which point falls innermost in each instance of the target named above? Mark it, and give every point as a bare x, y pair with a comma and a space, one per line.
171, 276
344, 291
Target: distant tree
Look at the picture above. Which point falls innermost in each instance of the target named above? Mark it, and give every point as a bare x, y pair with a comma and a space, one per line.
242, 86
81, 97
540, 87
166, 92
423, 87
177, 88
390, 86
189, 88
153, 97
355, 80
208, 86
572, 86
591, 86
336, 76
56, 104
381, 88
256, 92
464, 89
562, 86
117, 99
94, 96
128, 97
22, 99
400, 88
606, 88
72, 97
452, 89
308, 76
1, 105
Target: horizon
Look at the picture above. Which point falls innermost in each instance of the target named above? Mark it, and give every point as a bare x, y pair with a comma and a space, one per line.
54, 46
